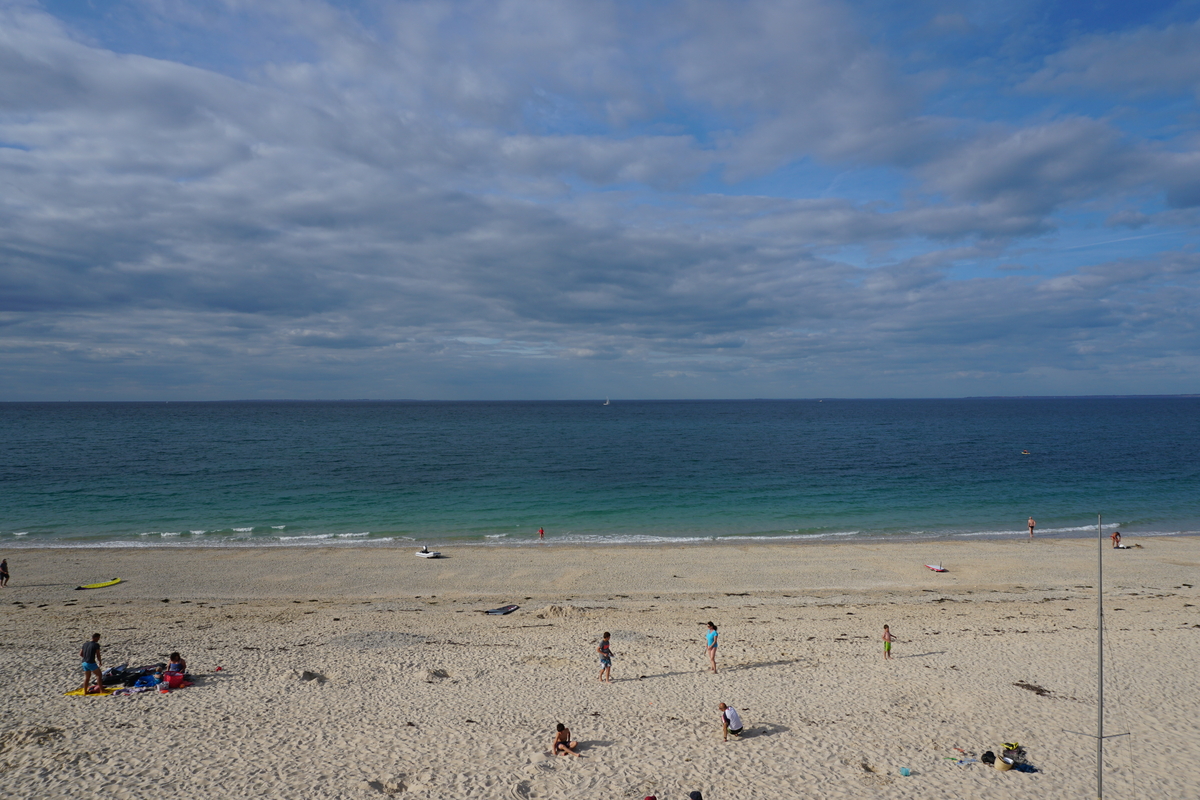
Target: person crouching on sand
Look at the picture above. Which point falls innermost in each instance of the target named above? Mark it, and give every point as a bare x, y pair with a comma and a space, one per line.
730, 722
563, 746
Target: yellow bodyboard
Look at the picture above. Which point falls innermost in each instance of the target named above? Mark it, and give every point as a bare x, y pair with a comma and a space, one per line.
113, 582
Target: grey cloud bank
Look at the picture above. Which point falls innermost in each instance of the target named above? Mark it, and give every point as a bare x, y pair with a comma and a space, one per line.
525, 200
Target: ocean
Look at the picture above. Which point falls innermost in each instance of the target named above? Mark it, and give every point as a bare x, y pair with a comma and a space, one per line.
491, 473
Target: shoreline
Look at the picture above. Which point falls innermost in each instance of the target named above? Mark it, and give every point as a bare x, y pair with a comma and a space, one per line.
411, 692
599, 541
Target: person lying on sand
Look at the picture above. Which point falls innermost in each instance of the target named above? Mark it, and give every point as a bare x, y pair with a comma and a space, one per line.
562, 742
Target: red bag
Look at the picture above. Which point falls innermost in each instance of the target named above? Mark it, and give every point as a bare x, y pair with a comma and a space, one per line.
173, 679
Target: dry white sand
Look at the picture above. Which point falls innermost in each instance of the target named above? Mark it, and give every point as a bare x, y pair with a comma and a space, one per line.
420, 696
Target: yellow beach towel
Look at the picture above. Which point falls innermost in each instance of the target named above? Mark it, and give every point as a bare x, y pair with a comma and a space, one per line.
105, 692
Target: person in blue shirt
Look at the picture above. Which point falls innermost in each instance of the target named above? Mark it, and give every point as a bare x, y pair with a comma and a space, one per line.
711, 647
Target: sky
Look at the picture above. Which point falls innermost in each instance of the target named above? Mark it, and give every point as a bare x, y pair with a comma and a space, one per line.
548, 199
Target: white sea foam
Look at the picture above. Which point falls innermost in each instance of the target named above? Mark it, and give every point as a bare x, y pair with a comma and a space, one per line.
788, 537
197, 533
309, 539
20, 533
244, 530
603, 539
494, 535
1036, 532
278, 527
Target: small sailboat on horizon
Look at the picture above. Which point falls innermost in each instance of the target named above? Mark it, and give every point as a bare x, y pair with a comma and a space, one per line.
606, 401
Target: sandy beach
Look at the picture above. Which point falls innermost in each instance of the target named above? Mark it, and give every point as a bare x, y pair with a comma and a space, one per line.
366, 672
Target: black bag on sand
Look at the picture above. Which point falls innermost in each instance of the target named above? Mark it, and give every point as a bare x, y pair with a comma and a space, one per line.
113, 675
988, 758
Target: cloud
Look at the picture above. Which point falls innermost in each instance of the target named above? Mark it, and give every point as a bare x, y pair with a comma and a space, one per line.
1030, 171
1144, 61
794, 78
487, 199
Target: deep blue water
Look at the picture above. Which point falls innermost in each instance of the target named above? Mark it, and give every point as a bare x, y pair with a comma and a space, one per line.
327, 472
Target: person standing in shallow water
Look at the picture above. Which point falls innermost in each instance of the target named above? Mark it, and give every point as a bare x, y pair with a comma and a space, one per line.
1032, 525
541, 533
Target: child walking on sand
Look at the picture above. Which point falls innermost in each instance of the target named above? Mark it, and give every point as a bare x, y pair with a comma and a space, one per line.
887, 642
605, 659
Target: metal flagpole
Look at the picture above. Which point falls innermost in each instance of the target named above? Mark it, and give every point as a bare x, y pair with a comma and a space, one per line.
1100, 657
1099, 736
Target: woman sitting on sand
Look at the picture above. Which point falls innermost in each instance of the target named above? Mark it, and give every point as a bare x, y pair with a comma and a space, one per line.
562, 742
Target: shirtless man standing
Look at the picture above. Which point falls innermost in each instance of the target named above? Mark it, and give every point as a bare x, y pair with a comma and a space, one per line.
1032, 525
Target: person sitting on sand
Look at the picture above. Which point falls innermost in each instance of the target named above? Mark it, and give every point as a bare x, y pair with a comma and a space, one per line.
562, 742
730, 722
92, 663
175, 665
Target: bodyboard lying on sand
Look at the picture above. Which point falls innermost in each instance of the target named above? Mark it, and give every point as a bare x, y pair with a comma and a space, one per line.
113, 582
503, 610
105, 692
937, 567
429, 554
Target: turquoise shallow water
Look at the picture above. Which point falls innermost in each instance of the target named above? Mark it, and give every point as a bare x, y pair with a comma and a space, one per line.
295, 473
